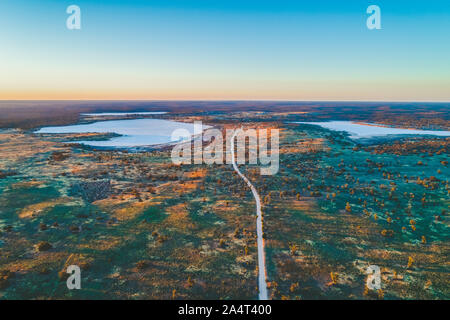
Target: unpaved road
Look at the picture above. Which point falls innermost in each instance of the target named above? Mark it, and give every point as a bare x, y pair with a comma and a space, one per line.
259, 230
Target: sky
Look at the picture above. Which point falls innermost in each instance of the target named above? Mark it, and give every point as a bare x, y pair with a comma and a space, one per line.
225, 50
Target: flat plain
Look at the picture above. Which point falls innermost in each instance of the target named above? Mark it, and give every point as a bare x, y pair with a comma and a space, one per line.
141, 227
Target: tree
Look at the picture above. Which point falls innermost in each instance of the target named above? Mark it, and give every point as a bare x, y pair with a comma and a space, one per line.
293, 247
348, 208
410, 262
189, 282
293, 287
334, 278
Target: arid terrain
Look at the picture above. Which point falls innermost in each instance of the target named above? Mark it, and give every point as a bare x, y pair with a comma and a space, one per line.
141, 227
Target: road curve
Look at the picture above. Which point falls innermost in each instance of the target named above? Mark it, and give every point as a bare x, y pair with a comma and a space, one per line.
259, 230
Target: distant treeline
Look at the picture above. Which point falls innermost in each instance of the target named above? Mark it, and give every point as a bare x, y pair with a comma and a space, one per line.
34, 114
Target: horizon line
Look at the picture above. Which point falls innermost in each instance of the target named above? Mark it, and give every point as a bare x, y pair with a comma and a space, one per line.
223, 100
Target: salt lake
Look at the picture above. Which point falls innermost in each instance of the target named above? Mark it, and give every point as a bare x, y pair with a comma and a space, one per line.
133, 132
121, 114
358, 130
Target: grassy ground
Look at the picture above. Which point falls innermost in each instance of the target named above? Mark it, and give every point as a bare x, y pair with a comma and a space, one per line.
178, 232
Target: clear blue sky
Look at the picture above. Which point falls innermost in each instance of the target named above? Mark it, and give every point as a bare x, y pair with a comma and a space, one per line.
181, 49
